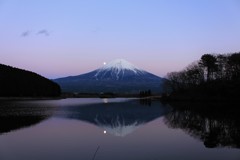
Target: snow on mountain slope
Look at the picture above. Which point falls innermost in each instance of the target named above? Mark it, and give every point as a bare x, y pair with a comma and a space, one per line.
117, 69
118, 76
119, 64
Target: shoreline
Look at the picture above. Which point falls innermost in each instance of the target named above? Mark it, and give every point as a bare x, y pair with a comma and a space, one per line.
65, 97
28, 98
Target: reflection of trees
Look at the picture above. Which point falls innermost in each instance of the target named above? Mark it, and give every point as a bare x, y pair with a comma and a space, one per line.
9, 124
215, 130
145, 101
14, 116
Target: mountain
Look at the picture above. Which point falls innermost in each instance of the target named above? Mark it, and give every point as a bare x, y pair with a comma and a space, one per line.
118, 76
16, 82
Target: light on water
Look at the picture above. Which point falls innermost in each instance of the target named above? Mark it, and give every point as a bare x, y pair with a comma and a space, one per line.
105, 100
122, 128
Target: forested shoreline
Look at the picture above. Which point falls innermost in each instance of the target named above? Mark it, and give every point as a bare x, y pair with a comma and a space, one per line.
213, 77
16, 82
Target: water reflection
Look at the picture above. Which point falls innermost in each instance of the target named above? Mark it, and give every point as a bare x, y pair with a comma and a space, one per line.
119, 119
217, 126
74, 128
145, 101
17, 115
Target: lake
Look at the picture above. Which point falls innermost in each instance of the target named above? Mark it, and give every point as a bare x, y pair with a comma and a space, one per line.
113, 129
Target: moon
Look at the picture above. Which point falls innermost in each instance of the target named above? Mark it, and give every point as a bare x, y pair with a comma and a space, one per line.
104, 63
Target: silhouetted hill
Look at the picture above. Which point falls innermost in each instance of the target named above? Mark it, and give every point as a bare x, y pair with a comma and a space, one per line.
16, 82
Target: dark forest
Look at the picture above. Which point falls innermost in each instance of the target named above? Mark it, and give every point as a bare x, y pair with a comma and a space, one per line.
16, 82
213, 77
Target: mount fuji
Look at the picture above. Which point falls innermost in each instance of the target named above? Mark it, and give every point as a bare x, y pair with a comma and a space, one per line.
118, 76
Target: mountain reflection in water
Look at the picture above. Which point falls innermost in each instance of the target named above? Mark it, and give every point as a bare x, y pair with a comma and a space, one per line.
216, 126
119, 119
74, 128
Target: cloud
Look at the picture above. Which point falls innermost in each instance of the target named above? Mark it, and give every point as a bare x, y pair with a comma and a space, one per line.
43, 32
25, 33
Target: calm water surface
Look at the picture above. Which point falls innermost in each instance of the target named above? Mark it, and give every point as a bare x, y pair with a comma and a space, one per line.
112, 129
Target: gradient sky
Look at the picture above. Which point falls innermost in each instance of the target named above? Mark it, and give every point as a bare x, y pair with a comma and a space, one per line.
58, 38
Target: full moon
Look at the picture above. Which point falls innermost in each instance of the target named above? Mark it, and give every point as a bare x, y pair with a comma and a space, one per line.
104, 63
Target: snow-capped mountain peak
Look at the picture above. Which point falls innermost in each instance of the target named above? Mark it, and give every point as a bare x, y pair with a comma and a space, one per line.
120, 64
117, 69
118, 76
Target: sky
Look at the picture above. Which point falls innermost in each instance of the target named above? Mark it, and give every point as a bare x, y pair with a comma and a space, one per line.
70, 37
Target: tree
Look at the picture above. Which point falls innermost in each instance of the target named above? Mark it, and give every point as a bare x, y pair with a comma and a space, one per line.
174, 80
234, 65
194, 74
208, 62
221, 72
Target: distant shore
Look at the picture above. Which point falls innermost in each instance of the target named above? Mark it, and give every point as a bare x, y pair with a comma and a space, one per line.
82, 96
28, 98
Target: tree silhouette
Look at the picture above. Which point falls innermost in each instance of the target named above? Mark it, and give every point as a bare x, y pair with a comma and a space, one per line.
212, 76
234, 63
208, 61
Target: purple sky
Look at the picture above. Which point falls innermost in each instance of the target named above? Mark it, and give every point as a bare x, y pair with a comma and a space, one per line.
61, 38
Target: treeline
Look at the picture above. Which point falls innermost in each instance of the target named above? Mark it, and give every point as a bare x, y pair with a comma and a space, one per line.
213, 75
16, 82
146, 93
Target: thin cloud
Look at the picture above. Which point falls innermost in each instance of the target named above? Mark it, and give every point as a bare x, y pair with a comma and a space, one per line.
25, 34
43, 32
